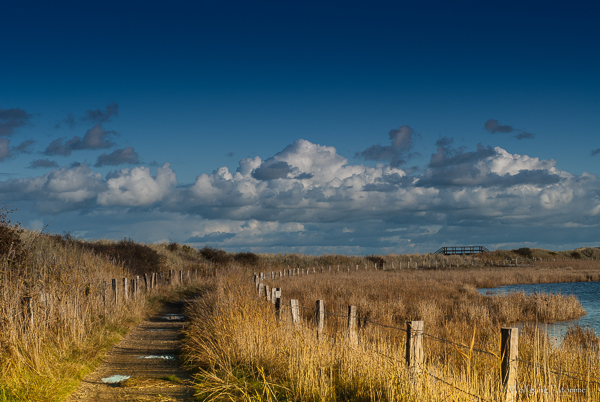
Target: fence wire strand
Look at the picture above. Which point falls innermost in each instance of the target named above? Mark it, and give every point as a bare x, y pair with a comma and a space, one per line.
455, 387
459, 345
561, 373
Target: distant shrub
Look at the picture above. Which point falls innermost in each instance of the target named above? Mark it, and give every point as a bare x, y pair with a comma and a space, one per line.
187, 249
138, 258
172, 246
524, 252
215, 255
375, 259
576, 255
250, 259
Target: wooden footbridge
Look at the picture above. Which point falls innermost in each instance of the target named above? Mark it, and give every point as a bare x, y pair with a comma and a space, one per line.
459, 250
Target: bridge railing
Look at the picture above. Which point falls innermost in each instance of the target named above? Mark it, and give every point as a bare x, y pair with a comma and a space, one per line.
457, 250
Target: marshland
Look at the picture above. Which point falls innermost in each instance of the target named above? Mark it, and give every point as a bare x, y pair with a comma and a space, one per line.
57, 322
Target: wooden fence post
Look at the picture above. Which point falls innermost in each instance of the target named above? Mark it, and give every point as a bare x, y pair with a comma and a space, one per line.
125, 293
132, 287
103, 290
352, 324
257, 283
509, 353
267, 293
320, 318
295, 311
414, 345
146, 283
277, 302
274, 293
115, 289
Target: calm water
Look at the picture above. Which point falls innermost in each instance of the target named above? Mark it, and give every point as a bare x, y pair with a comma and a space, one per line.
588, 294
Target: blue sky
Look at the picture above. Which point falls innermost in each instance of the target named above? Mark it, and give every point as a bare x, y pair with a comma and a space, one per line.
314, 127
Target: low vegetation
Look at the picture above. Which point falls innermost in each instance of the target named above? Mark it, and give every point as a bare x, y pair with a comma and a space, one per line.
241, 351
55, 323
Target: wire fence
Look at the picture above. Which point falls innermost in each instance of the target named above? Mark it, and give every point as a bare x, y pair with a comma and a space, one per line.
585, 378
459, 345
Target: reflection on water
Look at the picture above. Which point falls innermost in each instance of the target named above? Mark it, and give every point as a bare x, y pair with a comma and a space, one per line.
586, 293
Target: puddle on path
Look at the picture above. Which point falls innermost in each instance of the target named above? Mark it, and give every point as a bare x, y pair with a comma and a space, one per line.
164, 357
156, 329
116, 378
173, 317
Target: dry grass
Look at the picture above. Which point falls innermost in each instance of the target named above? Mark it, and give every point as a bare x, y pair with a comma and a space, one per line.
55, 322
242, 352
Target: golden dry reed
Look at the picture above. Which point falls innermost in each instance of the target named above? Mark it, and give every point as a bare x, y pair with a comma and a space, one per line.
241, 351
56, 317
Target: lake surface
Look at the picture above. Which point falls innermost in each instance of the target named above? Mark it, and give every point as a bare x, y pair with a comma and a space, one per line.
588, 294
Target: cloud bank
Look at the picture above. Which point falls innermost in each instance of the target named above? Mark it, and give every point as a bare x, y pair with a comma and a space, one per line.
307, 197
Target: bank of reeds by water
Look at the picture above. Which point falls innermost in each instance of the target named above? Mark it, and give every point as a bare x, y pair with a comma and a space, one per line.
241, 351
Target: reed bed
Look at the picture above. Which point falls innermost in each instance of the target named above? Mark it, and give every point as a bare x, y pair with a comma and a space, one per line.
56, 320
241, 351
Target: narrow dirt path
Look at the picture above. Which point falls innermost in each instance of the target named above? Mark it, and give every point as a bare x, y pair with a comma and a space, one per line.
143, 366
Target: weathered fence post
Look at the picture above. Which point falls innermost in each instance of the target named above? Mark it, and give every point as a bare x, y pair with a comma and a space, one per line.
132, 287
414, 345
125, 293
509, 351
277, 302
115, 289
146, 282
352, 325
295, 311
320, 318
267, 293
103, 290
257, 283
260, 289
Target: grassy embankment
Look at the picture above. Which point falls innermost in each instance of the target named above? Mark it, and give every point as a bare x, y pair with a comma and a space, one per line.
43, 359
242, 352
